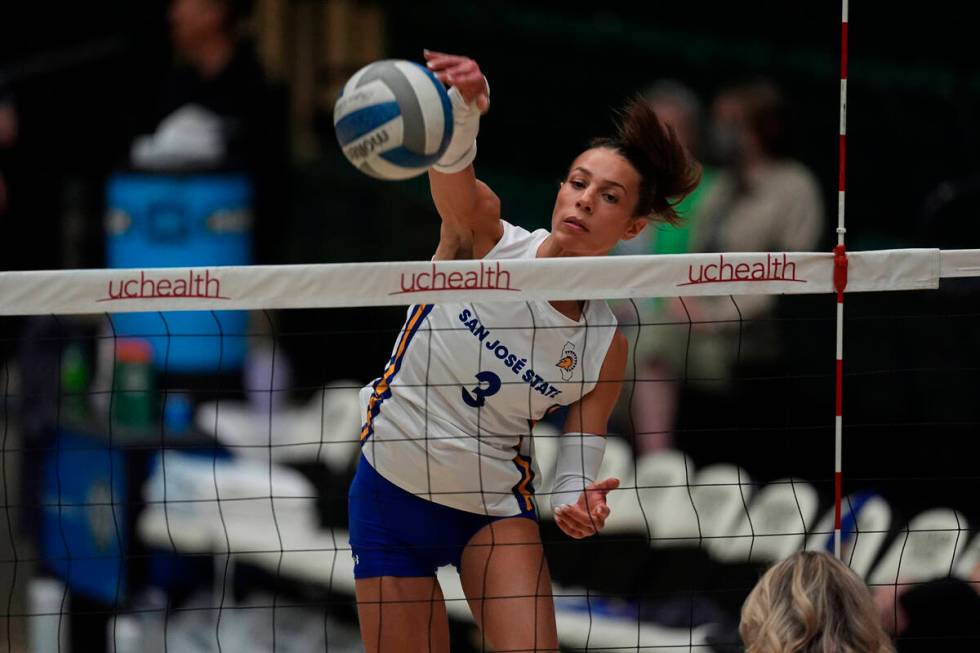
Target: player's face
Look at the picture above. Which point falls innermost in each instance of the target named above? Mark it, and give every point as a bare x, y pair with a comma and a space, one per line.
595, 205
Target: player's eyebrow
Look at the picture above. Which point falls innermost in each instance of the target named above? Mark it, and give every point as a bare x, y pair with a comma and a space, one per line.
608, 182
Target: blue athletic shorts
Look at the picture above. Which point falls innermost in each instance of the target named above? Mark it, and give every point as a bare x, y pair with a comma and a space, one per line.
395, 533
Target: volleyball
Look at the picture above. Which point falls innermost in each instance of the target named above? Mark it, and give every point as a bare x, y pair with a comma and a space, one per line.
393, 119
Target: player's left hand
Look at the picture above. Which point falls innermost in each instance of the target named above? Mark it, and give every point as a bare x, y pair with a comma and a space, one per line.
463, 73
588, 515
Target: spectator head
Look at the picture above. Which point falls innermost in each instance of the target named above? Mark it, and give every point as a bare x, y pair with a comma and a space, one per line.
812, 603
8, 121
679, 107
752, 119
193, 22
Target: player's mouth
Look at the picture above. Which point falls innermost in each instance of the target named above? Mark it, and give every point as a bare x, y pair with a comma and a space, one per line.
574, 224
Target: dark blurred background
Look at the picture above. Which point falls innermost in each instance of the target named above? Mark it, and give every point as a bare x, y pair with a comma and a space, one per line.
84, 79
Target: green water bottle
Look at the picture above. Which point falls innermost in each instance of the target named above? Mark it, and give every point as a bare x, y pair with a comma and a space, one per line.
74, 382
133, 388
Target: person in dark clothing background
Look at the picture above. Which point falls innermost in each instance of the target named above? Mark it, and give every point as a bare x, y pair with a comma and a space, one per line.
217, 70
941, 613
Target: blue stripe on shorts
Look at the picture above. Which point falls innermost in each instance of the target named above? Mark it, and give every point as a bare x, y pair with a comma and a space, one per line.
395, 533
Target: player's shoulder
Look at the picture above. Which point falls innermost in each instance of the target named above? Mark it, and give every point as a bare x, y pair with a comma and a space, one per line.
617, 354
600, 315
619, 344
516, 242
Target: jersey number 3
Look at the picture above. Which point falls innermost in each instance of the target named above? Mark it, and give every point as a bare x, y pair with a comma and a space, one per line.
488, 384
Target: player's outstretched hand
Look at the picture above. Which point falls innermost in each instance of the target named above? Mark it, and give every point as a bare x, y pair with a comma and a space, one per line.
588, 515
463, 73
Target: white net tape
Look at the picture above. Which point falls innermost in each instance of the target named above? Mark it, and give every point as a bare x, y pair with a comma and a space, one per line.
389, 284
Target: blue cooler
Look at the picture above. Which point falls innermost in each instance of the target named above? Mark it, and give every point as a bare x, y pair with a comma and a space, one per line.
85, 516
158, 221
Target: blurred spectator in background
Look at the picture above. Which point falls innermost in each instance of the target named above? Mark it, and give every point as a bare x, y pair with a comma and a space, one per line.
217, 110
8, 136
760, 200
763, 200
8, 139
812, 602
207, 184
654, 399
10, 255
943, 613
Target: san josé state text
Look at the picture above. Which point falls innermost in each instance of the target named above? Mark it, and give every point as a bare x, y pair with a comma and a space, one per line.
513, 362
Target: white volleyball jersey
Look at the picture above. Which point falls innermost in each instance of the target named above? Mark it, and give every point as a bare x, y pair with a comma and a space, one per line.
450, 419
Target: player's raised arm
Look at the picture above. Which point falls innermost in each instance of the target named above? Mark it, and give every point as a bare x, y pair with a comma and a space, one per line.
470, 211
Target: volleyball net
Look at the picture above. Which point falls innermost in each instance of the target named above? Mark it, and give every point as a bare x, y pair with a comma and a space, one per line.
178, 443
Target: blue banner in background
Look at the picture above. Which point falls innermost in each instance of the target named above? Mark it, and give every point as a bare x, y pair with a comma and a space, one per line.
158, 221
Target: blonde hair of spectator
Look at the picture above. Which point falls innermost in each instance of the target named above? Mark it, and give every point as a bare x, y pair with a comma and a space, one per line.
812, 603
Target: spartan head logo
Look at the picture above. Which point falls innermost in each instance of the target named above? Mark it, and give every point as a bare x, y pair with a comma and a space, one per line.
567, 362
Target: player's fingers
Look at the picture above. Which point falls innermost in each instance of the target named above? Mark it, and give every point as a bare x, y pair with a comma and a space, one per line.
435, 61
564, 524
465, 67
580, 518
575, 512
596, 523
465, 75
569, 511
473, 92
435, 54
444, 78
601, 512
595, 493
599, 517
471, 80
441, 61
604, 486
470, 92
570, 531
439, 64
570, 528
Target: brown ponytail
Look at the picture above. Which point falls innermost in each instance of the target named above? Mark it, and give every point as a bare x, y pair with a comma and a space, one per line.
668, 171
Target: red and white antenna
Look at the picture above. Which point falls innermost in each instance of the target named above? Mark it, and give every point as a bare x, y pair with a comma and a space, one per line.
840, 278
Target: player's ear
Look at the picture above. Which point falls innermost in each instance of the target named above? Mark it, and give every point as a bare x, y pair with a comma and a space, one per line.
634, 228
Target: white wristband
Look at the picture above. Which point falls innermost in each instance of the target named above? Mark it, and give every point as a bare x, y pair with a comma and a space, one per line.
466, 124
579, 458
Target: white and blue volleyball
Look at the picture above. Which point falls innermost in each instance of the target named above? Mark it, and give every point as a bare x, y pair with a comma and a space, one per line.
393, 119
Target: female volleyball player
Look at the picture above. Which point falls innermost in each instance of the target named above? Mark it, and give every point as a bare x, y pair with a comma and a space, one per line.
446, 474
